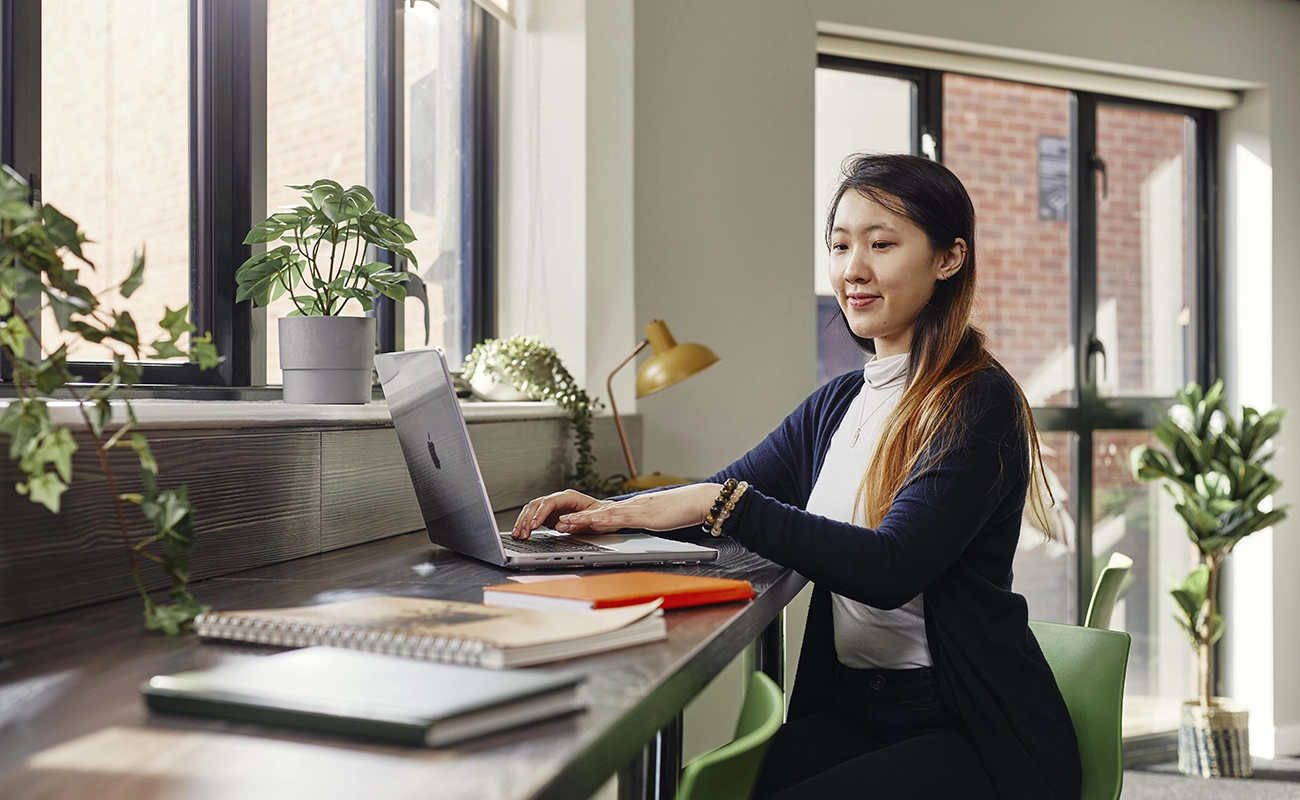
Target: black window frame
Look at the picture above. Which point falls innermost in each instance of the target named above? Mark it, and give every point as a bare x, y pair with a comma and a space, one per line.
227, 71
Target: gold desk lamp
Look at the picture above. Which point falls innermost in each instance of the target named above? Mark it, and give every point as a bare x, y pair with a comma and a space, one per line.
670, 363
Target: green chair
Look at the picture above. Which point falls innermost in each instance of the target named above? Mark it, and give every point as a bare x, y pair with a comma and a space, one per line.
730, 771
1107, 591
1089, 665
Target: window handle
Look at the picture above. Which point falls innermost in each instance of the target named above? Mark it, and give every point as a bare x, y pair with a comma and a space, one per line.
1096, 348
1100, 166
929, 144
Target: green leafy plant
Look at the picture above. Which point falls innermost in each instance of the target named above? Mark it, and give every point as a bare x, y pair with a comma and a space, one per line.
34, 242
535, 369
1214, 466
314, 265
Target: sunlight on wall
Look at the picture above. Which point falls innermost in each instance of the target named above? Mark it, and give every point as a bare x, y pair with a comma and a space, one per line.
1252, 590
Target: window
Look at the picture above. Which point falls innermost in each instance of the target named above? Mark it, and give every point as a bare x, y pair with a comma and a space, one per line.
316, 113
1095, 277
115, 147
857, 112
177, 126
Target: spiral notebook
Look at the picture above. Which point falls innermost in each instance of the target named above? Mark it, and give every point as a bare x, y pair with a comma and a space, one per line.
442, 630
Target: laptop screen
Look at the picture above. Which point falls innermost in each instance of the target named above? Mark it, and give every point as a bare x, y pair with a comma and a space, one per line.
438, 453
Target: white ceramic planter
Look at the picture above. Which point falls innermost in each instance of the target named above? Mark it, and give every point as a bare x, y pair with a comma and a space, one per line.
327, 359
494, 385
1214, 742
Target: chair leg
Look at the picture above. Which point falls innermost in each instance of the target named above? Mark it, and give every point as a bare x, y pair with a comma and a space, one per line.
653, 773
769, 650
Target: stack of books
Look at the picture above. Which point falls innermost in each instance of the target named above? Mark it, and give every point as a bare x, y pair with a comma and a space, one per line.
390, 691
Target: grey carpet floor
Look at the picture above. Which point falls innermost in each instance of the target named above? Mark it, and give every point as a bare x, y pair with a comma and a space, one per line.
1274, 779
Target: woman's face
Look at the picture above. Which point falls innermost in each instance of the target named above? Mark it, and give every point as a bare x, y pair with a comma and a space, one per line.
883, 271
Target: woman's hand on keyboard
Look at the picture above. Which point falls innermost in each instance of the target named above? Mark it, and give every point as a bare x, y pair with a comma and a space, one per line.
655, 511
546, 511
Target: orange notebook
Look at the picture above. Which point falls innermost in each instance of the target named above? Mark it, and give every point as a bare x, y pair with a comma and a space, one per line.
609, 590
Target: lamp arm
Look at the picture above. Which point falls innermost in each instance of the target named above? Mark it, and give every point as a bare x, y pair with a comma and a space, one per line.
618, 421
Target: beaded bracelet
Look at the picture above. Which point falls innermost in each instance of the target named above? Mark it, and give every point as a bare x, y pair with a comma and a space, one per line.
724, 505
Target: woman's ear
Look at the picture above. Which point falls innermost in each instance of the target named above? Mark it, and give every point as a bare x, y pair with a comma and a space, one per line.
953, 259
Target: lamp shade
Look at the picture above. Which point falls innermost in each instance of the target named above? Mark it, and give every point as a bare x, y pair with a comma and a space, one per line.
671, 362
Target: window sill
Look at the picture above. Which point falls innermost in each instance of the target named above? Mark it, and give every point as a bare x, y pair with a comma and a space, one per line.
207, 414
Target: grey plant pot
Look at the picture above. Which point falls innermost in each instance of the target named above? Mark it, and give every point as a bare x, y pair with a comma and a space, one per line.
1214, 742
327, 359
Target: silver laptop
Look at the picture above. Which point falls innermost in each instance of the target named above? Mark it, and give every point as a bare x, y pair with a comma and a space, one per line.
453, 499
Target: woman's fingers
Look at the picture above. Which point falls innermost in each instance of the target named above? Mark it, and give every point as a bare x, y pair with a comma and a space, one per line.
520, 528
547, 510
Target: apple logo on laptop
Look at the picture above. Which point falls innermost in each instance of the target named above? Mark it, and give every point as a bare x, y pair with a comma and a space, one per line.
433, 453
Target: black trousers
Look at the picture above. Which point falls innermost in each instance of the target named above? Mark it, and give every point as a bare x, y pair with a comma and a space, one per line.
888, 737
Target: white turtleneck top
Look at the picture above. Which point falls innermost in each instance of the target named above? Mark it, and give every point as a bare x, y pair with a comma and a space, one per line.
866, 637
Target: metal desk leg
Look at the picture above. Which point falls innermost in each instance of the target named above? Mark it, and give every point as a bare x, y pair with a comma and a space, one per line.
652, 775
769, 650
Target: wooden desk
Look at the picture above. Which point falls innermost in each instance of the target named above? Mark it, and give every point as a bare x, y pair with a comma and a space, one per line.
73, 725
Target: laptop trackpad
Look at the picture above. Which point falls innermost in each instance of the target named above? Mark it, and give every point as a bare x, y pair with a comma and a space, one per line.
639, 543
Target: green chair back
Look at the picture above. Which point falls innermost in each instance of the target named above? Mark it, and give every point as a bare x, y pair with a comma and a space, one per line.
729, 772
1089, 665
1109, 584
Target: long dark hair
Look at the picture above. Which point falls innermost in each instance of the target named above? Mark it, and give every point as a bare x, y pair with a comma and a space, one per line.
947, 350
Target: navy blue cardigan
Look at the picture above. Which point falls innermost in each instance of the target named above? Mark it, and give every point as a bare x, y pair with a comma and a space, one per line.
950, 533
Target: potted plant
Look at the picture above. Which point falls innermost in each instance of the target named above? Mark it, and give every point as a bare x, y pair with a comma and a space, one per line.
321, 265
35, 240
525, 368
1215, 467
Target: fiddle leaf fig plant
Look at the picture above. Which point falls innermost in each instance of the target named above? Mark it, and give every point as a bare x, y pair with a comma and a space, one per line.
1215, 466
535, 369
322, 261
36, 243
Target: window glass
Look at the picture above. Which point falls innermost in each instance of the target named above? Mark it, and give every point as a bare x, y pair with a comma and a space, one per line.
1144, 253
1044, 569
856, 113
315, 113
115, 149
423, 194
1139, 521
1010, 145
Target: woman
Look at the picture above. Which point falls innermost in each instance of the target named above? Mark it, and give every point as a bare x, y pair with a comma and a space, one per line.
899, 491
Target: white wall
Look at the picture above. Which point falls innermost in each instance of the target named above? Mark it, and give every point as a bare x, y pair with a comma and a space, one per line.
724, 177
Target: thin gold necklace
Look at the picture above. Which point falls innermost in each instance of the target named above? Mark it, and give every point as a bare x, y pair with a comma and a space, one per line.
863, 422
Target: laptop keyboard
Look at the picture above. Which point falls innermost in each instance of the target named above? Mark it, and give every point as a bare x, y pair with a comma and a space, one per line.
550, 544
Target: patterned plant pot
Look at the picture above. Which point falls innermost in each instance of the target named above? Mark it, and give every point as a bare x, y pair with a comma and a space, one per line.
1214, 741
327, 359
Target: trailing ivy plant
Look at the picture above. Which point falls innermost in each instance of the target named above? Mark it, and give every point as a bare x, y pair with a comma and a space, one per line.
1215, 466
535, 369
35, 240
314, 266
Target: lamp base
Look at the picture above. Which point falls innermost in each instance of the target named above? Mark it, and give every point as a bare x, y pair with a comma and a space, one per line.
654, 480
